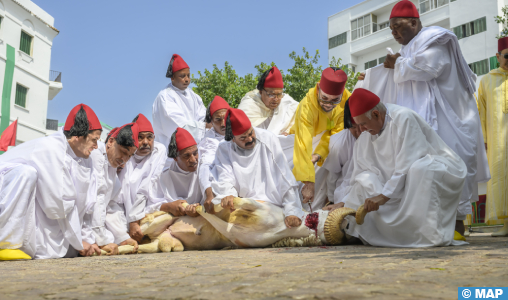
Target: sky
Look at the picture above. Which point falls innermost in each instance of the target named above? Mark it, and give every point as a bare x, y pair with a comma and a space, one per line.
114, 54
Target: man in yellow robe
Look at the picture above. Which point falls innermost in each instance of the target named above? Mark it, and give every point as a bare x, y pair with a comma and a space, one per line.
493, 107
318, 116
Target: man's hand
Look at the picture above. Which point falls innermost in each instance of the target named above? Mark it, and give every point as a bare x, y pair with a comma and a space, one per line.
362, 76
334, 206
208, 125
111, 249
89, 250
208, 202
175, 208
285, 133
308, 192
292, 221
315, 158
135, 231
390, 60
372, 204
190, 210
228, 202
485, 146
131, 242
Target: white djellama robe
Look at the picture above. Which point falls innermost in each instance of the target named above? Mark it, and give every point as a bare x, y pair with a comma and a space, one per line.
174, 184
409, 163
261, 173
277, 121
175, 108
137, 176
432, 78
106, 178
46, 191
116, 220
339, 166
207, 149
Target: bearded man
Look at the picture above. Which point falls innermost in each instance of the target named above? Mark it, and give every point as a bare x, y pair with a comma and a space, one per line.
268, 107
177, 105
250, 164
406, 178
48, 185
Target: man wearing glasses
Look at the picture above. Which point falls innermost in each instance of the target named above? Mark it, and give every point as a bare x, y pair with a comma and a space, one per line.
319, 115
268, 107
493, 105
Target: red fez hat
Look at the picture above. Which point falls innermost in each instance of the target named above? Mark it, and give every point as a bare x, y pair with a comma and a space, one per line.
218, 103
404, 9
112, 132
240, 123
93, 121
361, 101
333, 82
135, 132
274, 79
178, 63
183, 139
502, 44
144, 124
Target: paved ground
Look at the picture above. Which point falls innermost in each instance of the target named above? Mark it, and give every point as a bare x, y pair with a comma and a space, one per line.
349, 272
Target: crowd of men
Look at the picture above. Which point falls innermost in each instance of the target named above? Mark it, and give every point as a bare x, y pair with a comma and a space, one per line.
406, 145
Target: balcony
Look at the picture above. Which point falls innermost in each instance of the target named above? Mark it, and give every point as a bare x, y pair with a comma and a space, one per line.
376, 40
55, 84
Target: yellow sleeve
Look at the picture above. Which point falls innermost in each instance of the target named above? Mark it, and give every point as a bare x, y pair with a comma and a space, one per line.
323, 148
482, 108
303, 129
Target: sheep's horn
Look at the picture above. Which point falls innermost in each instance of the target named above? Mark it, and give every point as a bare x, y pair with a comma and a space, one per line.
333, 234
360, 215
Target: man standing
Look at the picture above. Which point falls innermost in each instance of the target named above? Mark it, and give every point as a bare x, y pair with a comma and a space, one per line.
407, 179
48, 185
493, 104
177, 105
179, 182
251, 164
120, 146
319, 115
208, 146
431, 77
268, 107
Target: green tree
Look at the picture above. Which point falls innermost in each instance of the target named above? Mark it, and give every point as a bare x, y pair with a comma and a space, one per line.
304, 75
504, 21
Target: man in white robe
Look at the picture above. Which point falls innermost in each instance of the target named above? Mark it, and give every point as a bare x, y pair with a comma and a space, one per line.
177, 105
120, 146
430, 76
407, 179
339, 161
208, 146
47, 186
137, 176
250, 163
179, 181
268, 107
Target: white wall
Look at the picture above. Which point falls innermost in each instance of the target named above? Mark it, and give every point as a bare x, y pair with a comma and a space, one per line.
30, 71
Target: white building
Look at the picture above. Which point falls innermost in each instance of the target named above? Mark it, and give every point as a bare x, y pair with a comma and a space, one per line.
26, 39
360, 34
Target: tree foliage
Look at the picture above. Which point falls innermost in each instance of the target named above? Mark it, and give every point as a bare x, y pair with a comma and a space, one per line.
504, 21
304, 75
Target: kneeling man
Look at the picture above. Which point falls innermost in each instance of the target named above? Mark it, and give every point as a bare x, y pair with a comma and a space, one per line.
250, 164
407, 178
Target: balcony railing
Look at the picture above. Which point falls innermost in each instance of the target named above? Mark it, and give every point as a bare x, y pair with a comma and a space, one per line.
55, 76
51, 124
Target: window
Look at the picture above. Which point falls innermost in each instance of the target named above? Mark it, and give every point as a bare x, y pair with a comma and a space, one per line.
480, 67
337, 40
353, 68
26, 43
384, 25
428, 5
471, 28
21, 92
1, 19
494, 64
382, 59
360, 27
370, 64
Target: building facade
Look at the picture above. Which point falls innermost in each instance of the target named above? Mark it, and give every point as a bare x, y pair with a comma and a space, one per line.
360, 35
26, 39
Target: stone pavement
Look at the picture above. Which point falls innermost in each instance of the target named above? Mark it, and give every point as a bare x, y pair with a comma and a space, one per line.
348, 272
